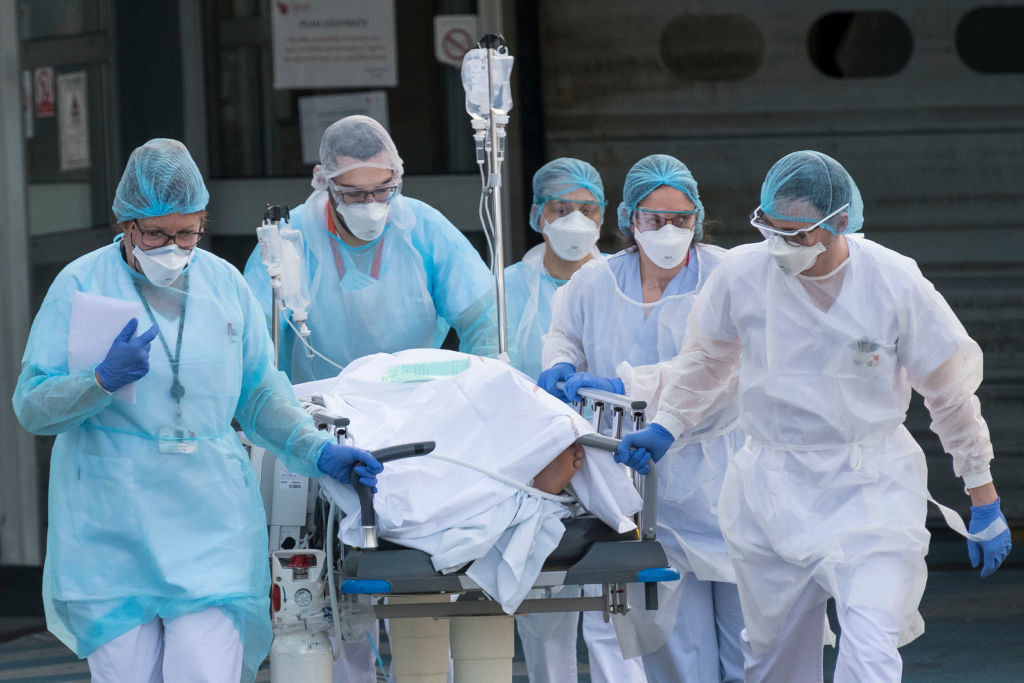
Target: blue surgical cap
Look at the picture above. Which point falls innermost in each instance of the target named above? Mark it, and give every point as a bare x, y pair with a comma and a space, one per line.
160, 179
646, 176
808, 186
560, 177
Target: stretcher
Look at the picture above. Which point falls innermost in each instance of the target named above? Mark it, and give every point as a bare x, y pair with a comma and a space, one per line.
419, 598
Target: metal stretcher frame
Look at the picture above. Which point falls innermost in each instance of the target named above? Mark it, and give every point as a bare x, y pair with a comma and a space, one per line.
611, 563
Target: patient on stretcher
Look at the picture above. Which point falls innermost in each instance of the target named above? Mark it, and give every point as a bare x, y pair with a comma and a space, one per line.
488, 495
557, 474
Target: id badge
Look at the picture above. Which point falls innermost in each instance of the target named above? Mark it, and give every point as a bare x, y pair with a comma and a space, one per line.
177, 440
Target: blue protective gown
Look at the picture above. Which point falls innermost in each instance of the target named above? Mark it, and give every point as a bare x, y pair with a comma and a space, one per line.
135, 533
403, 290
528, 292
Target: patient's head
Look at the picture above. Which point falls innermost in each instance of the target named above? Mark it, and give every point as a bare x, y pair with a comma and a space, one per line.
556, 475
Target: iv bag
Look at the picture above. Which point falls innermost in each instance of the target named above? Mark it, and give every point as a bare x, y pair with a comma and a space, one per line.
270, 248
479, 100
294, 290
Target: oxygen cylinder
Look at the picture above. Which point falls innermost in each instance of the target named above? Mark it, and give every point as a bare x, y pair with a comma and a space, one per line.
301, 650
301, 656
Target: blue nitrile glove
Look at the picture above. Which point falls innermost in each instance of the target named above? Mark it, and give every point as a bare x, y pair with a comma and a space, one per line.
338, 462
553, 375
128, 359
578, 380
994, 550
636, 449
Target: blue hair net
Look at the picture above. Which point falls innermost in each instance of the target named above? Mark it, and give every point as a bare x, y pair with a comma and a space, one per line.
808, 186
160, 179
649, 174
560, 177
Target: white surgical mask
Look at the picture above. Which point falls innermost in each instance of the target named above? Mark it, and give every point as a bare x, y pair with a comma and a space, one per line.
365, 221
571, 237
163, 265
792, 258
666, 246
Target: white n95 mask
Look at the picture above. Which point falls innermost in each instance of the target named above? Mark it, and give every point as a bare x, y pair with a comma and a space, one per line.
365, 221
666, 246
163, 265
571, 237
793, 258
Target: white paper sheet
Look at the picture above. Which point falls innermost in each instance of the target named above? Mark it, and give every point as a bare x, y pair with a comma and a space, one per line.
95, 321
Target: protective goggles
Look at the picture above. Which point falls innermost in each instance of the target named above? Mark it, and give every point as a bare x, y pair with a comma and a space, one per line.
563, 207
759, 220
654, 219
344, 194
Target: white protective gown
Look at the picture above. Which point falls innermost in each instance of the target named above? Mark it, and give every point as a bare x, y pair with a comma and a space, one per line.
600, 325
481, 411
829, 481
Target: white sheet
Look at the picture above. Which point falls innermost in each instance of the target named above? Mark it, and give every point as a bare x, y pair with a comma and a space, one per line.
95, 321
494, 416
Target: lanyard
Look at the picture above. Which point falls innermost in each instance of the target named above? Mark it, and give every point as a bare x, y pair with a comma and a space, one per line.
177, 390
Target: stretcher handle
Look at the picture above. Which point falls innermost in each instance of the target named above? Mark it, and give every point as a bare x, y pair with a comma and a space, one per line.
322, 418
605, 443
648, 490
383, 455
606, 397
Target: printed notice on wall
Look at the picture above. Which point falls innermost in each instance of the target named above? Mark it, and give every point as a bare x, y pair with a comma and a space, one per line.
73, 121
334, 44
45, 104
319, 111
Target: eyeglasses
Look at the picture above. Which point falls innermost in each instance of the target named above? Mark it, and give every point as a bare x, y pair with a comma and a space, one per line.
563, 207
353, 195
655, 219
186, 239
760, 220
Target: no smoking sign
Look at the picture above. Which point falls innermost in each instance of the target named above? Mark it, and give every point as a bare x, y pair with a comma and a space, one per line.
454, 36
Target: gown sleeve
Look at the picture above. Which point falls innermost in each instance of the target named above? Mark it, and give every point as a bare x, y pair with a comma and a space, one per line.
267, 409
48, 399
564, 341
945, 366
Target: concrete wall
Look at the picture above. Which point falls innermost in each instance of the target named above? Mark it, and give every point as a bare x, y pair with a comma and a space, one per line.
937, 150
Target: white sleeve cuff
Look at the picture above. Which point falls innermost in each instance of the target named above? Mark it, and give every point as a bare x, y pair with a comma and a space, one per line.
674, 426
96, 380
975, 479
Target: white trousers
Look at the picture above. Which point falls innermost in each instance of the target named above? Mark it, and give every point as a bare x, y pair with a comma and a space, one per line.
549, 644
867, 645
200, 647
705, 643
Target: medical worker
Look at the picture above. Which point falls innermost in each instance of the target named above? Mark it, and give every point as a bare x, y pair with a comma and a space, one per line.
386, 272
829, 332
156, 550
568, 209
629, 311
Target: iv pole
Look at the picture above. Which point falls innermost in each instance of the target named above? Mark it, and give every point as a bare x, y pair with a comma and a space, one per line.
488, 102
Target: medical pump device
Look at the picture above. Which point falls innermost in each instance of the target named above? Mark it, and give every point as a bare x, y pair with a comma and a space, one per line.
281, 250
486, 74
